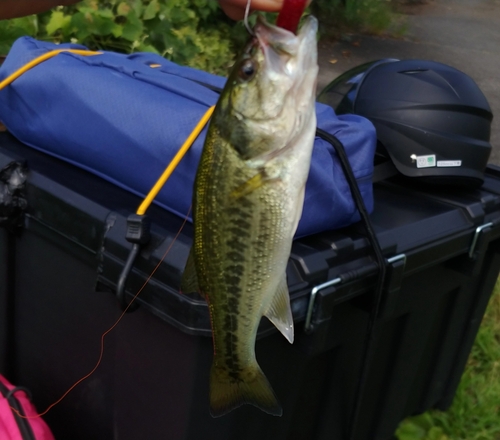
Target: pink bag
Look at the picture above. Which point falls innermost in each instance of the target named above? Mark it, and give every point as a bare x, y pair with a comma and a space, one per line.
13, 427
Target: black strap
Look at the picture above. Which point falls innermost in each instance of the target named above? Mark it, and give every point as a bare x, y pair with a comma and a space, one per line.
372, 237
22, 423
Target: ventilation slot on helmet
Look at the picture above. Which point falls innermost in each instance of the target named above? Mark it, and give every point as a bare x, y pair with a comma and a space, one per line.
413, 72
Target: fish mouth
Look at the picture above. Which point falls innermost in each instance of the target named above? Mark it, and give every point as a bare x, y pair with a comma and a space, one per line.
283, 56
283, 41
287, 71
286, 54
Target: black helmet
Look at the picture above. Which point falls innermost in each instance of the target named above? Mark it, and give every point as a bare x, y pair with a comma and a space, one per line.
432, 119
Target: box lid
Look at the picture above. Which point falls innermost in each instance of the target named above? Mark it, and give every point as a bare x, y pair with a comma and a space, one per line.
417, 227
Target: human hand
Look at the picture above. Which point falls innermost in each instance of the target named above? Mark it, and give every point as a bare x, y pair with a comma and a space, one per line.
235, 9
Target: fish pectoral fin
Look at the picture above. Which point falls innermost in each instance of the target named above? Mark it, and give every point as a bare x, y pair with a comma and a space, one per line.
189, 281
280, 312
252, 184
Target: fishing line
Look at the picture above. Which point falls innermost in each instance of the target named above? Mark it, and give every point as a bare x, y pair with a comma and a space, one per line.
245, 19
101, 354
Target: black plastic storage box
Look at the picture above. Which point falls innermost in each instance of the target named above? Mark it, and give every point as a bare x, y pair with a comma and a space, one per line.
62, 248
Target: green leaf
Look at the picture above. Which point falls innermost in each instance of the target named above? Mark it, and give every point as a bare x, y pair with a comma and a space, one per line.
151, 10
105, 13
57, 21
123, 8
137, 6
133, 28
147, 48
86, 9
11, 30
80, 26
436, 433
103, 26
117, 31
410, 431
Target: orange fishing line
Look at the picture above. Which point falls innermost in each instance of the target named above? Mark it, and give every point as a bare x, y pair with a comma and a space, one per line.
79, 381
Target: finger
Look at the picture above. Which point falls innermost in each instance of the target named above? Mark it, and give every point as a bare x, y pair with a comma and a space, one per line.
235, 9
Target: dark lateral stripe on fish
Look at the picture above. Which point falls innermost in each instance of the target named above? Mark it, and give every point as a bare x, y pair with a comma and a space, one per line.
231, 361
233, 305
239, 232
232, 280
231, 343
236, 269
236, 257
236, 244
242, 224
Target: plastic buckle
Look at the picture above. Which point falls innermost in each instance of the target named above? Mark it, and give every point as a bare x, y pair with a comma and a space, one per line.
138, 233
138, 227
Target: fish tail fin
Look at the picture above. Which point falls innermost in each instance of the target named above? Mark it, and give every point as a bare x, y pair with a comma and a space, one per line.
251, 386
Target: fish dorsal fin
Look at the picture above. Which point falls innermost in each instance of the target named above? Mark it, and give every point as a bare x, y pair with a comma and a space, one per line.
189, 281
280, 312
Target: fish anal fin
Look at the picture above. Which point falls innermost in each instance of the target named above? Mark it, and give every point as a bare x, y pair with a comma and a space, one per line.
189, 281
251, 387
280, 312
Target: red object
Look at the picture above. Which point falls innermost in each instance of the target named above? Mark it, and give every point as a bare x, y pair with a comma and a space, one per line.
290, 14
14, 401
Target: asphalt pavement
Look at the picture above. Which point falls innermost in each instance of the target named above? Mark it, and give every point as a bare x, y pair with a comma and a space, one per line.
464, 34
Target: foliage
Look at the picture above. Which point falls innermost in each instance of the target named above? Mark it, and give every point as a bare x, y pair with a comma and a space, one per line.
10, 30
369, 16
475, 412
188, 32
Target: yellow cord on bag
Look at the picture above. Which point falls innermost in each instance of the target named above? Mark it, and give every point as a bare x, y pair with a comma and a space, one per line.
41, 59
174, 162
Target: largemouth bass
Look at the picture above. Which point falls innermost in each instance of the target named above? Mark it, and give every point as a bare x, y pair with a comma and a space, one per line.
248, 198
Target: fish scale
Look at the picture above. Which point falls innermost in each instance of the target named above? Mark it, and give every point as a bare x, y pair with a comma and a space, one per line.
248, 197
241, 243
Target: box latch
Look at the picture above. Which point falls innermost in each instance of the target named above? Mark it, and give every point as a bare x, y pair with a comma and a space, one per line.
397, 260
475, 239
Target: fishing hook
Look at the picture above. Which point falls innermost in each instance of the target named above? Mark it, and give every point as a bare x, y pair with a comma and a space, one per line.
245, 19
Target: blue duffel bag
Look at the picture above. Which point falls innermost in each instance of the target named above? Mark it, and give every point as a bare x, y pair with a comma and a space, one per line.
123, 118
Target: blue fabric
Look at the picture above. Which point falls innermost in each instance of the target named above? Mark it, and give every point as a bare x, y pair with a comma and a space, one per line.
115, 116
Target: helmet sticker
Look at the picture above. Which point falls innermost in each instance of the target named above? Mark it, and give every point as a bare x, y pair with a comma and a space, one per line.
424, 161
449, 163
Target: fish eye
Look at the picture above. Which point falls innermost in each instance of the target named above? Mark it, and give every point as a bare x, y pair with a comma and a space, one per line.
247, 70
